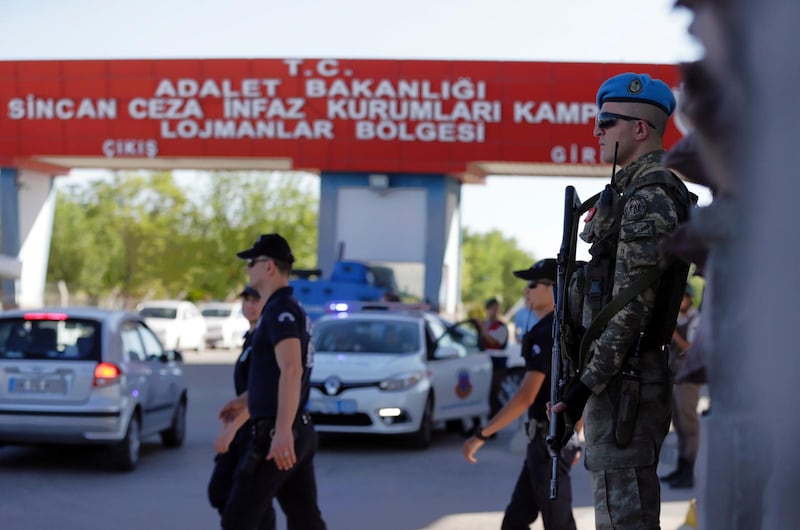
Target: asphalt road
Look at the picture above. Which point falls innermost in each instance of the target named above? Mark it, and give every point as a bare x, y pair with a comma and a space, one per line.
364, 484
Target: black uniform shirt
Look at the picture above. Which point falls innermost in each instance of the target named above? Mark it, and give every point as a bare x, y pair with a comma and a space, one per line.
282, 318
242, 367
539, 340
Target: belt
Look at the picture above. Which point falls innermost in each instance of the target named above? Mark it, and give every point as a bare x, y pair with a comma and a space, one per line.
649, 344
263, 425
536, 429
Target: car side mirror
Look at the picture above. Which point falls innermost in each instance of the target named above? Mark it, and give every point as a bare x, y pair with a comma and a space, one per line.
170, 356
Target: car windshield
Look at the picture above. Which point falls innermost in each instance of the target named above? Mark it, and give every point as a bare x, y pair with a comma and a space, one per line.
158, 312
47, 337
369, 336
216, 312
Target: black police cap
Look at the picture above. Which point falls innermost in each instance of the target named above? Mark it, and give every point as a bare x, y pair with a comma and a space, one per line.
269, 245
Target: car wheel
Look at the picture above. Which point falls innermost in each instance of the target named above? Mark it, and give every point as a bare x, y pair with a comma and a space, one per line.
421, 439
176, 434
125, 455
509, 385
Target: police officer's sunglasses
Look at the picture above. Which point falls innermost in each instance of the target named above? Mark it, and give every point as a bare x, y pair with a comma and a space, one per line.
252, 262
534, 285
604, 120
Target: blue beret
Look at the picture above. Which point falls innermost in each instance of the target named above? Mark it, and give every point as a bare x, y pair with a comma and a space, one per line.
638, 88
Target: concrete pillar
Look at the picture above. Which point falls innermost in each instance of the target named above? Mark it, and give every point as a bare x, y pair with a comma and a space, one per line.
9, 234
403, 219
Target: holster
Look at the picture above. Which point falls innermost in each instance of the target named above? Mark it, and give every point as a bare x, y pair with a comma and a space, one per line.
263, 429
627, 408
536, 429
627, 398
257, 449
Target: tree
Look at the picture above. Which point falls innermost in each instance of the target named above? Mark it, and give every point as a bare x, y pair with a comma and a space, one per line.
73, 240
235, 208
144, 235
488, 263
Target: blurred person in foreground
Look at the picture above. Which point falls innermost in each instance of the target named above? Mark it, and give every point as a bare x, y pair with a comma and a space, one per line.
532, 491
279, 459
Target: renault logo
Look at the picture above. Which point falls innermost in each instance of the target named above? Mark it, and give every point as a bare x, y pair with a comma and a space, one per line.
332, 385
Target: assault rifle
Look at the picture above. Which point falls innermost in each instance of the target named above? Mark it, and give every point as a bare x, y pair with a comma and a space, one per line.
568, 331
563, 366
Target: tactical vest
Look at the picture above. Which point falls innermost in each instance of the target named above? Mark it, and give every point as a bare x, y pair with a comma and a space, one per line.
591, 302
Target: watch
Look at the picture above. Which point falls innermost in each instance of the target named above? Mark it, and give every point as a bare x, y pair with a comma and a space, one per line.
479, 434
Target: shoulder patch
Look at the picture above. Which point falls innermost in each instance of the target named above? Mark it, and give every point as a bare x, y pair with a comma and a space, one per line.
286, 316
640, 230
635, 208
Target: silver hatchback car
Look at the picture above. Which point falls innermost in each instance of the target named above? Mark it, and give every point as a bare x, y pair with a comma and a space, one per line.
88, 376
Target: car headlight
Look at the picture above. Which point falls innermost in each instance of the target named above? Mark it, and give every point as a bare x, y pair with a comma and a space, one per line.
402, 381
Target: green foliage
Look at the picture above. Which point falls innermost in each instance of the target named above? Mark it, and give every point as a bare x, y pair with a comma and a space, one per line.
488, 263
153, 235
142, 235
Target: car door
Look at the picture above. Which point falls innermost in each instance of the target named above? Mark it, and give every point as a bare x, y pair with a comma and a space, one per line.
139, 374
164, 375
476, 362
458, 376
183, 328
193, 326
198, 326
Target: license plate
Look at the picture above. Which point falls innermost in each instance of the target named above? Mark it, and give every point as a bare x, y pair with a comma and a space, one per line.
332, 406
37, 385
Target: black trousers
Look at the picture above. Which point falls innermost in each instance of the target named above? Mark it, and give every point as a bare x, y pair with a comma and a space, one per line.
258, 481
498, 373
221, 482
531, 495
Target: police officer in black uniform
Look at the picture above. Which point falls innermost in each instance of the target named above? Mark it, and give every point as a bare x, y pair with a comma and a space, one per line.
531, 495
278, 461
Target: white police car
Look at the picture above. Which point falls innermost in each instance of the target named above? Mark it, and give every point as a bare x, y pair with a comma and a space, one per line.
397, 370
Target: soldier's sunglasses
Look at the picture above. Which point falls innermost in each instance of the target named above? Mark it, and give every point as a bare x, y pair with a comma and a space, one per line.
604, 120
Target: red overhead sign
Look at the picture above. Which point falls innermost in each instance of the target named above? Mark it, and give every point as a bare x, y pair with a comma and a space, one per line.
325, 114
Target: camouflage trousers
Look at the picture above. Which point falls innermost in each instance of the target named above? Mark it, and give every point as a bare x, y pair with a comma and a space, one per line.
625, 486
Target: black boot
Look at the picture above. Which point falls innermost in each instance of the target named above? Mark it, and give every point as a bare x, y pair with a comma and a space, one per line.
684, 477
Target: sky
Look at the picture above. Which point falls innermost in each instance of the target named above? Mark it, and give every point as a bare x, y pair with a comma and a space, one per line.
527, 209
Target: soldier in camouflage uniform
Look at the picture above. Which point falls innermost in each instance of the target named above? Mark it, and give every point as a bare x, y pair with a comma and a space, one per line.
634, 110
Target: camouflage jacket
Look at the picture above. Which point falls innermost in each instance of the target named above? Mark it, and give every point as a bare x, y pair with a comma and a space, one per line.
648, 215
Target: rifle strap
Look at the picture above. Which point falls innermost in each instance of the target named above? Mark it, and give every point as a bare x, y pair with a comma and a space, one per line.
618, 302
587, 205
